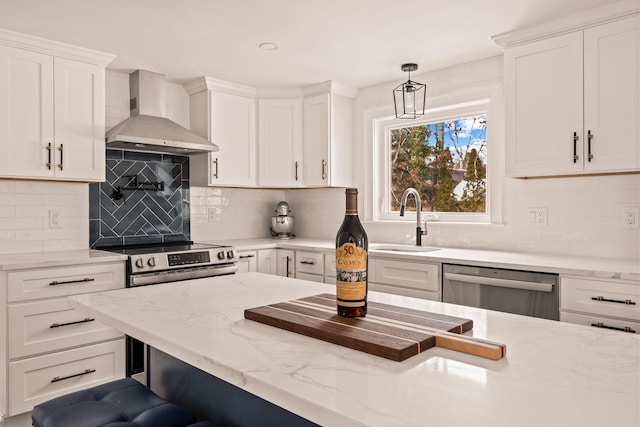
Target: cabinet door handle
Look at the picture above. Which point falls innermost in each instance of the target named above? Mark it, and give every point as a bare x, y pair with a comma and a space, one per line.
324, 163
86, 279
575, 143
61, 150
215, 174
296, 171
49, 156
288, 273
589, 137
246, 256
85, 372
308, 262
615, 328
617, 301
58, 325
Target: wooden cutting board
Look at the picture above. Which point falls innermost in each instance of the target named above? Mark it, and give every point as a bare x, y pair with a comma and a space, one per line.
388, 331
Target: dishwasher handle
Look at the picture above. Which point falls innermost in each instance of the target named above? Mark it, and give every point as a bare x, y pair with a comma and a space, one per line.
503, 283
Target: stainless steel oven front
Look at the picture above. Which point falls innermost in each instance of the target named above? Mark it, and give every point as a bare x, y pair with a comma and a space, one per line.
520, 292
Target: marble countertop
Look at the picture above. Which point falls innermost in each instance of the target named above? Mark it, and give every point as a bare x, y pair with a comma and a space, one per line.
56, 259
597, 267
554, 374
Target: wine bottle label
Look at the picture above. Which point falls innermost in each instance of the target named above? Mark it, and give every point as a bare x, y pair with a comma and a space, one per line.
351, 275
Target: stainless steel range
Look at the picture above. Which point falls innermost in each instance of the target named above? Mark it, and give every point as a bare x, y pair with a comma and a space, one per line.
151, 265
170, 262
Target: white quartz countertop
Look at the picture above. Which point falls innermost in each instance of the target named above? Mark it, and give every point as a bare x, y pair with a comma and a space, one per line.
57, 259
598, 267
554, 374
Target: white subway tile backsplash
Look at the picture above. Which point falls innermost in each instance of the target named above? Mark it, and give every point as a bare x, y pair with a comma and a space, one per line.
25, 206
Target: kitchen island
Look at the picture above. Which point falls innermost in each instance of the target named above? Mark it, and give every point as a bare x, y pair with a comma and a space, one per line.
554, 374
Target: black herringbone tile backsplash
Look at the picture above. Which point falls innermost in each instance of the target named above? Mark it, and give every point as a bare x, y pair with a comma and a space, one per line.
144, 215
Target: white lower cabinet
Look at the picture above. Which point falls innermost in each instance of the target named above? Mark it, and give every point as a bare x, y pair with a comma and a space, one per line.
602, 303
310, 266
52, 349
279, 262
38, 379
413, 279
247, 261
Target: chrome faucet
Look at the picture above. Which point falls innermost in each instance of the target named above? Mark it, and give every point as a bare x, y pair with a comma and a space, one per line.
403, 202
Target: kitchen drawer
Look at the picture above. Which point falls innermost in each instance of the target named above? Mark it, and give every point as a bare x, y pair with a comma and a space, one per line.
38, 379
310, 277
407, 292
330, 265
603, 322
309, 262
602, 297
61, 281
247, 261
33, 330
413, 275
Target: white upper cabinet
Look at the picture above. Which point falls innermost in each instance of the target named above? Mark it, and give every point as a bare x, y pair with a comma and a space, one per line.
328, 135
52, 110
280, 142
225, 113
572, 101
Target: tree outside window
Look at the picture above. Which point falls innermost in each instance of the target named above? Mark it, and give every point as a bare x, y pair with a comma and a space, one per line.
445, 162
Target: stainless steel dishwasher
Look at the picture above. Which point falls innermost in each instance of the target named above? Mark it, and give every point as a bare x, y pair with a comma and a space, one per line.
512, 291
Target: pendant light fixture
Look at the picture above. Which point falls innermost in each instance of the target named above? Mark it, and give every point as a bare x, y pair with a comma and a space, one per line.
409, 98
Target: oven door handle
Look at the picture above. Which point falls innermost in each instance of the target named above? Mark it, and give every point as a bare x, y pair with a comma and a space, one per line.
183, 274
503, 283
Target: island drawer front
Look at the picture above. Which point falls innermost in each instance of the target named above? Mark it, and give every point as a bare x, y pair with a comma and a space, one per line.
38, 379
628, 326
309, 262
413, 275
44, 326
606, 298
407, 292
61, 281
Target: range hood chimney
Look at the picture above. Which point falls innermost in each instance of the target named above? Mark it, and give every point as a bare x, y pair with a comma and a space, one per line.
148, 129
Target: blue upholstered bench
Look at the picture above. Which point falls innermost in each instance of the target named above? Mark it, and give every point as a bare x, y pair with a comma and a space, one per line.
120, 403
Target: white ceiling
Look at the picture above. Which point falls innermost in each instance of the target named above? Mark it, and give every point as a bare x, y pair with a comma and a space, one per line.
354, 42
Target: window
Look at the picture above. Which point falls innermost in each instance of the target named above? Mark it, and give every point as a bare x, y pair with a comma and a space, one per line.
445, 161
446, 156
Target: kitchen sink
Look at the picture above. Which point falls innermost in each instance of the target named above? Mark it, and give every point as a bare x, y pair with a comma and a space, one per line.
401, 248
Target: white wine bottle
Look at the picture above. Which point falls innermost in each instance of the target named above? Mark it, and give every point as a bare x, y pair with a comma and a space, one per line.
351, 261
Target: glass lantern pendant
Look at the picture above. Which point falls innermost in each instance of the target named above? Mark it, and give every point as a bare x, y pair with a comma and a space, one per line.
409, 98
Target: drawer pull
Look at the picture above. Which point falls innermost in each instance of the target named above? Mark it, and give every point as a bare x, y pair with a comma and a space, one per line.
85, 320
246, 256
615, 328
85, 372
86, 279
308, 262
618, 301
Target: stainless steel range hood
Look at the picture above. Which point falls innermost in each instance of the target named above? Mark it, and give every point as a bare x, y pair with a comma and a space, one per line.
148, 129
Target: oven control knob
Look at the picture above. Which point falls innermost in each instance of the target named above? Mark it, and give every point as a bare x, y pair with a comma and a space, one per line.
139, 263
230, 255
221, 255
152, 261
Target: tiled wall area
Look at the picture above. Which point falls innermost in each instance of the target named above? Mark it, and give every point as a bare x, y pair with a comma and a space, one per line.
232, 213
144, 200
25, 207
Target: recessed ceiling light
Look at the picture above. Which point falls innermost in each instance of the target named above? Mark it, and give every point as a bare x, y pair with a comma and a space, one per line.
268, 46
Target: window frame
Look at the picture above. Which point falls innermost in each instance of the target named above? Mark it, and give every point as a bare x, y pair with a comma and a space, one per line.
483, 105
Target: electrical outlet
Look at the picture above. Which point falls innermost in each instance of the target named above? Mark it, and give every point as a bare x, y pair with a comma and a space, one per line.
54, 219
538, 217
631, 217
213, 214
